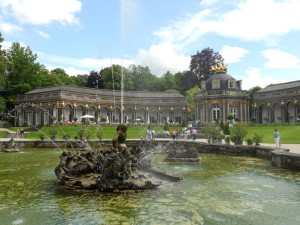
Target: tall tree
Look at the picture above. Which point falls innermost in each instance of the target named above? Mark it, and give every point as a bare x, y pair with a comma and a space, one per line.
169, 81
23, 72
62, 76
4, 64
251, 93
142, 78
112, 78
201, 63
191, 100
94, 80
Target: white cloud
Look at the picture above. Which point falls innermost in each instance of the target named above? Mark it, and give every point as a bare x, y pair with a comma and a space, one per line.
255, 78
42, 34
6, 44
74, 66
232, 54
255, 20
208, 2
9, 28
280, 60
42, 11
251, 20
162, 58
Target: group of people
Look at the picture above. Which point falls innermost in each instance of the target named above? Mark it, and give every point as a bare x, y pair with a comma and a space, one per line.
187, 133
20, 134
150, 134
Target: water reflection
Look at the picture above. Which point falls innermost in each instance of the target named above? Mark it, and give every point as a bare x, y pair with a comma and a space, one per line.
218, 190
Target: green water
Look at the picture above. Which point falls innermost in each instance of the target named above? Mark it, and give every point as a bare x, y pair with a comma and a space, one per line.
219, 190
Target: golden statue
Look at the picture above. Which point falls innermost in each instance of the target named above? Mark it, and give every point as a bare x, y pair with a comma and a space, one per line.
218, 67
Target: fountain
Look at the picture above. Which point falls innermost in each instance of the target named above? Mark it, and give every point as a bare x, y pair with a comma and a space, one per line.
177, 154
116, 170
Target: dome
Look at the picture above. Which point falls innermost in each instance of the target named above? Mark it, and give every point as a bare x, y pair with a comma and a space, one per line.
221, 81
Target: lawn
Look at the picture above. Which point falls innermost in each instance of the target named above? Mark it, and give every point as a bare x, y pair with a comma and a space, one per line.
290, 134
108, 131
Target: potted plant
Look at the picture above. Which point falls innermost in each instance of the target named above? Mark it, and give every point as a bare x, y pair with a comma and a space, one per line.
258, 138
249, 141
52, 133
227, 140
42, 136
213, 132
238, 133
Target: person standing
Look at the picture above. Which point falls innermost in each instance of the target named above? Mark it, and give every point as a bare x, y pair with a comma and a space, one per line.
277, 138
194, 134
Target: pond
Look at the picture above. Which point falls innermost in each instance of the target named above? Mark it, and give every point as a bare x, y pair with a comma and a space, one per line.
219, 190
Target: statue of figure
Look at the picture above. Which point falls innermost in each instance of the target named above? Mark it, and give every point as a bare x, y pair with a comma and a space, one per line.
120, 138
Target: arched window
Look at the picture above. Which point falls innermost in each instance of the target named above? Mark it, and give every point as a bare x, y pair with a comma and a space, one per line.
216, 112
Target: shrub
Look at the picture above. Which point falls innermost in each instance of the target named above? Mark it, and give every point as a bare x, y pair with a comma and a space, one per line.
258, 138
226, 130
238, 132
212, 131
52, 133
227, 139
249, 141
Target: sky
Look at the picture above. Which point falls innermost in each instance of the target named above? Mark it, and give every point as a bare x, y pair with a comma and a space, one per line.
259, 39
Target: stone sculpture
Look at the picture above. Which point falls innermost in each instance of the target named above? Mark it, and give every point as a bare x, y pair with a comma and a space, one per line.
117, 169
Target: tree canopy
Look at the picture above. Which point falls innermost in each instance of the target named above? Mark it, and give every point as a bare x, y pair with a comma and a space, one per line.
201, 63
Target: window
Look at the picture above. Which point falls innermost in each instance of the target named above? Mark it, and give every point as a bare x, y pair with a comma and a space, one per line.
231, 83
215, 84
202, 114
216, 113
233, 111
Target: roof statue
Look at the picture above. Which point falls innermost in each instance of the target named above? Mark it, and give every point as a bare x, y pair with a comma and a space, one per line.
218, 67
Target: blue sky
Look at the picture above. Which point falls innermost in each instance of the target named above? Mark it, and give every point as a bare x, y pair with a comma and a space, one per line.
259, 39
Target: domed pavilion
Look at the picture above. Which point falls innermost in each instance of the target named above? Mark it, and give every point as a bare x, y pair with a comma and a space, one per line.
221, 95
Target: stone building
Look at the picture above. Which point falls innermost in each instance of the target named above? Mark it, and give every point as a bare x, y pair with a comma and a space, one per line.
277, 103
221, 95
66, 104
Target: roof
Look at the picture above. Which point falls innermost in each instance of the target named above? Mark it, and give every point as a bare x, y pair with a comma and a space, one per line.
223, 78
94, 91
281, 86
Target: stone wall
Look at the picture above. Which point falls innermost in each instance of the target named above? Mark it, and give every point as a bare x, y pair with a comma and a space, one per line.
280, 158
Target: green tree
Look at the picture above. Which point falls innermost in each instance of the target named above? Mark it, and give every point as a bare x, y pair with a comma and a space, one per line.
179, 81
4, 64
168, 81
23, 73
112, 78
95, 80
61, 75
251, 93
191, 100
201, 63
142, 78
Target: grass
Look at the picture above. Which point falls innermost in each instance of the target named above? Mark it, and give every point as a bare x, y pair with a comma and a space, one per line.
290, 134
109, 131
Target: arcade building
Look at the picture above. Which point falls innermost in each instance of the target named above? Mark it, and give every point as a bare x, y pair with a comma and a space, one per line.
69, 104
277, 103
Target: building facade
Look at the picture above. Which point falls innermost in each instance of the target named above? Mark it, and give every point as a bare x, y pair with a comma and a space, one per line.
277, 103
221, 95
67, 104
